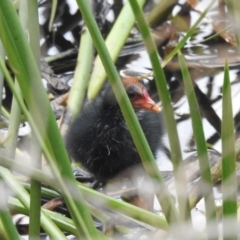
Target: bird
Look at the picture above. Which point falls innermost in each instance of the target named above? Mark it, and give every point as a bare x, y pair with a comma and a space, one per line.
99, 138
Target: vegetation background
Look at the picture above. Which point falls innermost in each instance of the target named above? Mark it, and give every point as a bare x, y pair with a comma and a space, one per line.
185, 42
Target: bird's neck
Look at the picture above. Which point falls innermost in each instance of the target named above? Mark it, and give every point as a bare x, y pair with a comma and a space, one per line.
109, 98
112, 110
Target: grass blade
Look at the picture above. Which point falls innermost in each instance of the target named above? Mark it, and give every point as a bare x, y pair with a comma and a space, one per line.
9, 230
206, 178
89, 194
229, 181
187, 36
81, 74
233, 7
23, 196
114, 42
170, 123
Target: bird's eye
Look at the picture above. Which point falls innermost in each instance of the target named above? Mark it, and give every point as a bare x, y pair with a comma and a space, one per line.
131, 94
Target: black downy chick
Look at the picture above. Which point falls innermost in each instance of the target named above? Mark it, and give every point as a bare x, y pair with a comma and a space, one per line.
99, 138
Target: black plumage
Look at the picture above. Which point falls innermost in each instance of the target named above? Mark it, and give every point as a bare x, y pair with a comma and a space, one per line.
99, 138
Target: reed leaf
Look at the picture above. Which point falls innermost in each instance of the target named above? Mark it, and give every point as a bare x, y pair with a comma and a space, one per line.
64, 223
234, 13
161, 83
114, 42
187, 36
81, 74
53, 13
206, 178
118, 206
23, 197
30, 10
229, 180
10, 230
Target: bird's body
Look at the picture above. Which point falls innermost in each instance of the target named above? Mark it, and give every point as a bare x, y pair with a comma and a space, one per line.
100, 140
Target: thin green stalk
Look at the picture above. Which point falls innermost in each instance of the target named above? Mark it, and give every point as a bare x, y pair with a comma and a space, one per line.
2, 55
10, 229
25, 67
28, 10
205, 169
129, 115
81, 74
50, 194
14, 123
35, 197
187, 36
233, 7
53, 13
23, 196
125, 208
114, 42
118, 206
64, 223
91, 195
161, 83
229, 179
224, 30
160, 12
60, 55
3, 233
4, 112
